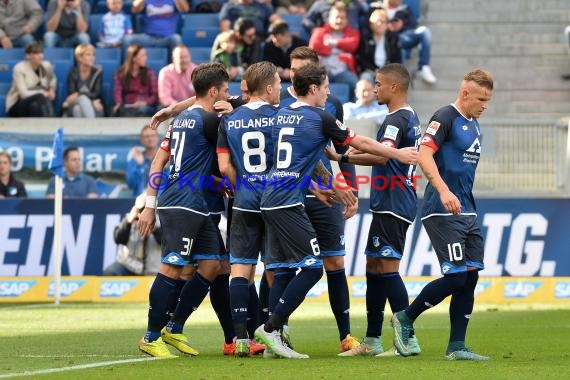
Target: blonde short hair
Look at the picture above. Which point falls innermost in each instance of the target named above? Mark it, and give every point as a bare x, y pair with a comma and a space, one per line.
480, 76
82, 49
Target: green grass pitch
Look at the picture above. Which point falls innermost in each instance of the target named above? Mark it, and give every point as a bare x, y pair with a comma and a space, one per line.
523, 343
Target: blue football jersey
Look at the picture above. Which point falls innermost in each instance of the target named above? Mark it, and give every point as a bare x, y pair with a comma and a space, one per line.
332, 106
457, 142
299, 137
246, 134
393, 186
193, 136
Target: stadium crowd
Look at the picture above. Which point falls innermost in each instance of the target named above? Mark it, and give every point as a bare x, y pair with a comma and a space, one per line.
122, 49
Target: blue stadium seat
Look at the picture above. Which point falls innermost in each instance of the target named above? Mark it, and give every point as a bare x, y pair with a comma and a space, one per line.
157, 58
6, 68
340, 90
58, 54
4, 88
107, 95
2, 105
195, 5
15, 54
200, 54
199, 37
294, 20
94, 22
201, 20
108, 54
109, 69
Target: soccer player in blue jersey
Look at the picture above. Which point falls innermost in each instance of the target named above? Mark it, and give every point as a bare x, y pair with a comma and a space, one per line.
245, 154
188, 232
327, 221
300, 134
448, 155
393, 204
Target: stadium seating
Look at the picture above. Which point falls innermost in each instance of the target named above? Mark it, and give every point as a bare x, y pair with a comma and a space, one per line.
4, 88
157, 58
57, 54
200, 54
8, 59
94, 22
199, 36
235, 88
200, 20
340, 90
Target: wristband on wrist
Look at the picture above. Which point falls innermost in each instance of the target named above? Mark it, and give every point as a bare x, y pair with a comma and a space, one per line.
344, 158
150, 201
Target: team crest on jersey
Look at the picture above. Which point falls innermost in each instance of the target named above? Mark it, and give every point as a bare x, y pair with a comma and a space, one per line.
475, 147
376, 241
432, 128
465, 127
164, 144
341, 240
391, 132
341, 125
426, 139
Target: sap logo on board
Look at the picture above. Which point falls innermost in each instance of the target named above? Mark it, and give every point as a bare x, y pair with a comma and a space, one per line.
562, 290
318, 290
415, 287
520, 289
358, 289
110, 289
481, 287
68, 287
15, 288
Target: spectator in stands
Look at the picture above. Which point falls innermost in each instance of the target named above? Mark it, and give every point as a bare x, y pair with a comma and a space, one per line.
67, 23
84, 83
76, 184
249, 45
160, 20
10, 187
366, 106
136, 255
135, 87
139, 160
293, 7
260, 13
114, 26
18, 20
336, 43
279, 46
224, 52
379, 48
402, 21
174, 80
33, 85
318, 14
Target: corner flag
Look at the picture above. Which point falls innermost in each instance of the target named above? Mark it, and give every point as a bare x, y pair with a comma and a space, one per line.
56, 160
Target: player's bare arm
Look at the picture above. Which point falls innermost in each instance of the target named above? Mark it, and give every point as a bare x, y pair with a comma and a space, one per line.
170, 111
429, 167
356, 157
227, 168
407, 156
147, 217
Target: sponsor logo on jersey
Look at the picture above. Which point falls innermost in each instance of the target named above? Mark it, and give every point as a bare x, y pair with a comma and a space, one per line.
15, 288
562, 290
465, 128
432, 128
475, 146
67, 288
376, 241
318, 290
340, 124
116, 288
446, 268
341, 240
391, 132
358, 289
426, 139
386, 252
520, 289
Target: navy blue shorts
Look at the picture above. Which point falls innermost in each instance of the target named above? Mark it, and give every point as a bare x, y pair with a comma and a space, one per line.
457, 241
247, 236
292, 239
386, 237
188, 236
329, 226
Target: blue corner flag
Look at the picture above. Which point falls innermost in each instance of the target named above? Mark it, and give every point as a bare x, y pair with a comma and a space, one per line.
56, 160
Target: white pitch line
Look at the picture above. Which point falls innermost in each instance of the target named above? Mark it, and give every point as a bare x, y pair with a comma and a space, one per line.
77, 356
73, 367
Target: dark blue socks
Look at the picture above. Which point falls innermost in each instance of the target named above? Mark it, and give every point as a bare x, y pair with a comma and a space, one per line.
461, 307
435, 292
339, 300
239, 294
375, 303
191, 296
252, 311
263, 299
220, 299
158, 299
